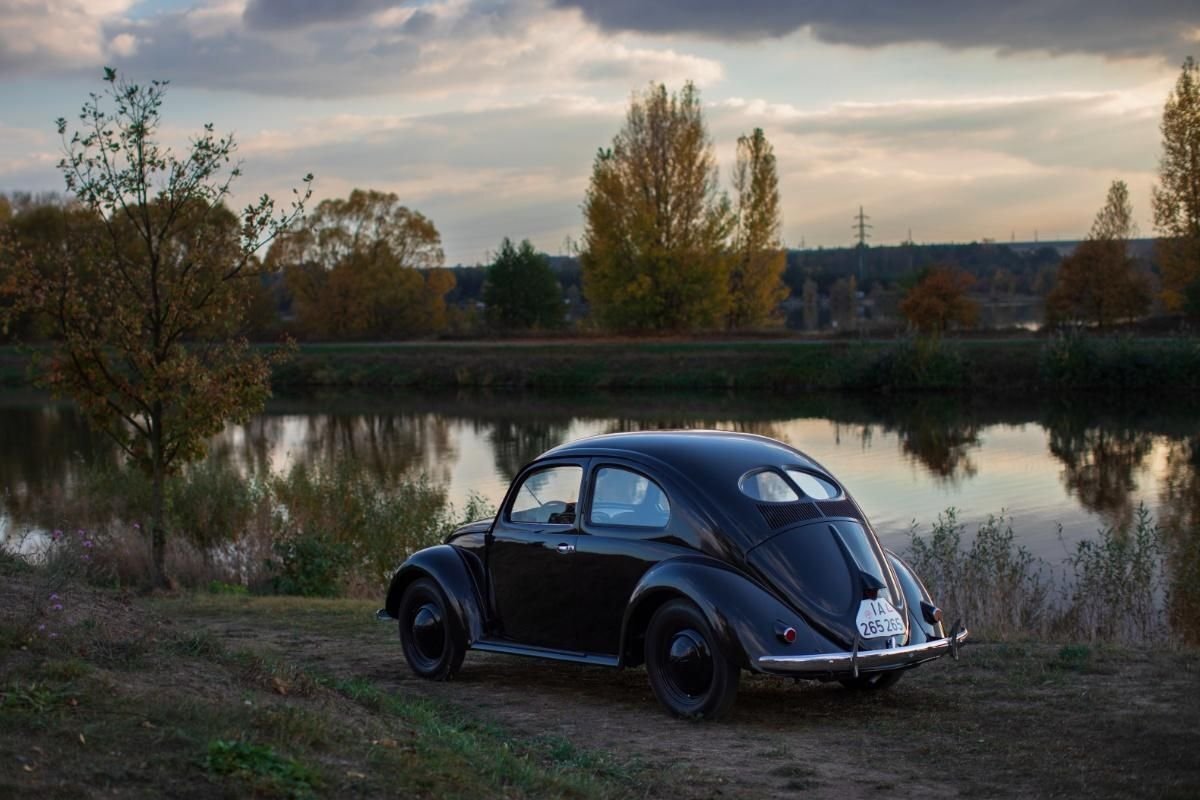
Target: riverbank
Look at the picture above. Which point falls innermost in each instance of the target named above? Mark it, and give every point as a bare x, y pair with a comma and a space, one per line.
994, 366
1006, 366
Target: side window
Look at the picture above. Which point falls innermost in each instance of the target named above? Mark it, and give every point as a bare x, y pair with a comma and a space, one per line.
548, 495
625, 498
768, 486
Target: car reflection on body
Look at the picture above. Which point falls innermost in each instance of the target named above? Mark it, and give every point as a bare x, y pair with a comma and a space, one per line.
696, 553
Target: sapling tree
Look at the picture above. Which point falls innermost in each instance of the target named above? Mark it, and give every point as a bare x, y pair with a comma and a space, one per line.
148, 294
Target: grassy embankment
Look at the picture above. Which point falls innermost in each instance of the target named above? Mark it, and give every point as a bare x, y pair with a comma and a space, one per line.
1014, 365
203, 696
115, 696
1006, 365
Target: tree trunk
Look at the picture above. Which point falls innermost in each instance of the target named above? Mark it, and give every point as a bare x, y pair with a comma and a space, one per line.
158, 533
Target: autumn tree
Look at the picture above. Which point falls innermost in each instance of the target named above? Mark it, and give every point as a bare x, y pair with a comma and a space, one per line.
149, 289
1177, 196
365, 267
521, 291
1099, 282
655, 221
939, 300
756, 280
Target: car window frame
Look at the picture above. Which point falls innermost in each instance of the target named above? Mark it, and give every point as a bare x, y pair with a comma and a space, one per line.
587, 527
805, 496
540, 466
777, 471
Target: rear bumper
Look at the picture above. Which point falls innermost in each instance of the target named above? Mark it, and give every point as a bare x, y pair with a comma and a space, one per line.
854, 662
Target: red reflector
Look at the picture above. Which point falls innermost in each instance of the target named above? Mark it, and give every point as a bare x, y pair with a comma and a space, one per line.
789, 635
870, 594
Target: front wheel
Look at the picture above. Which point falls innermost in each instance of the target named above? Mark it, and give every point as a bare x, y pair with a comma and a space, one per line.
433, 645
689, 673
873, 681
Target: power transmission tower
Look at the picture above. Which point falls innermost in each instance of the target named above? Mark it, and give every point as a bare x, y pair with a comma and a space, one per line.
861, 225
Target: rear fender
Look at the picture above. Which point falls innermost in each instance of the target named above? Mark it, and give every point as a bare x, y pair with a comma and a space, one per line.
444, 564
745, 617
920, 629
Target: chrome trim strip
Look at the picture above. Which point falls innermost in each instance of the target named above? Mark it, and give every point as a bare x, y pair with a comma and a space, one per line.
828, 663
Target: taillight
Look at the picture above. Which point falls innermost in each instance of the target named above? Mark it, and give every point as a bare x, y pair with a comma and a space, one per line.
786, 633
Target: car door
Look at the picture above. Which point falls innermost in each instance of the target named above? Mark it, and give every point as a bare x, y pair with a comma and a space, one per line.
626, 530
531, 556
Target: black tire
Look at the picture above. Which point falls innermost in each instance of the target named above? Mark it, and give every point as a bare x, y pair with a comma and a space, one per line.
433, 644
689, 673
874, 681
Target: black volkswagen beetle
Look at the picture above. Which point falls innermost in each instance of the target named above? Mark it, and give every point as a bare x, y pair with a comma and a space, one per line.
697, 553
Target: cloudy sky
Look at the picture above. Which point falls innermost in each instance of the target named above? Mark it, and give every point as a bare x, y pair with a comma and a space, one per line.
957, 120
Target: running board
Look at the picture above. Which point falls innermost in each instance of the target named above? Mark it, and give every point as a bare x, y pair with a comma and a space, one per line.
543, 652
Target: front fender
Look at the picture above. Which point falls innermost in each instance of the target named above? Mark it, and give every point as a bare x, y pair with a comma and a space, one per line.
444, 564
744, 616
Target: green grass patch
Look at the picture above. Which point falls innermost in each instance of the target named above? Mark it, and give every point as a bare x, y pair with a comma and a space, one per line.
267, 772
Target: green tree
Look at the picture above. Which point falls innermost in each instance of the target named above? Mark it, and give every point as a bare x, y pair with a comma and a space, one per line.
1099, 282
521, 291
1177, 196
365, 267
756, 281
940, 300
655, 221
149, 289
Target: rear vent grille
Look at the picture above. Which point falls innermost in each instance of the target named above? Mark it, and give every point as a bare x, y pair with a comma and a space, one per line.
839, 508
780, 516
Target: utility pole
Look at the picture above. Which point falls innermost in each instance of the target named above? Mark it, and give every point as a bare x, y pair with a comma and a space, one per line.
860, 225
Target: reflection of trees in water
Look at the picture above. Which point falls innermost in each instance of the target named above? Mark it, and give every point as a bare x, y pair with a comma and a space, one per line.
387, 446
1179, 517
43, 452
759, 427
937, 433
1099, 463
517, 442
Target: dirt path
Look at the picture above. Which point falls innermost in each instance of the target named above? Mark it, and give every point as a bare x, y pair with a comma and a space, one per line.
779, 741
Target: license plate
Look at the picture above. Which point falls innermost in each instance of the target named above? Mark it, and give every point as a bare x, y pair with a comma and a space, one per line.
878, 618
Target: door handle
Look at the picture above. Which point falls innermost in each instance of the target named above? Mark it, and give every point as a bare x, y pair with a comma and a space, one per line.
565, 548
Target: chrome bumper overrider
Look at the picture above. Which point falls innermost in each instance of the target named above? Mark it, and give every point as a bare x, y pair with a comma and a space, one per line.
851, 663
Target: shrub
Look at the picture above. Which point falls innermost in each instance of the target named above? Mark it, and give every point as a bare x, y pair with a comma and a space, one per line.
310, 565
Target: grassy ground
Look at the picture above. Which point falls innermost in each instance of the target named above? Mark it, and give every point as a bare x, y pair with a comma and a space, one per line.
123, 702
216, 695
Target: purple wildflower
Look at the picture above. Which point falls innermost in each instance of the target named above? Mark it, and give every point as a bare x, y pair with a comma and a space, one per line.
53, 635
56, 607
42, 627
53, 596
87, 542
137, 527
56, 535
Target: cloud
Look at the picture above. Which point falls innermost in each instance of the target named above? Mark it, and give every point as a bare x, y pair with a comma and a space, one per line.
54, 33
284, 14
378, 47
1163, 28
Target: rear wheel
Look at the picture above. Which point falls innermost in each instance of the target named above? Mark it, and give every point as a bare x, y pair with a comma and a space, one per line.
689, 673
433, 645
873, 681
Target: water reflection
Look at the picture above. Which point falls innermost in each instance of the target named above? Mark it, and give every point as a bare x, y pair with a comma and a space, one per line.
904, 458
1180, 518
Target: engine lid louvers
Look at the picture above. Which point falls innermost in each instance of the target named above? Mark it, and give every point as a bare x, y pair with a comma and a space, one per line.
780, 516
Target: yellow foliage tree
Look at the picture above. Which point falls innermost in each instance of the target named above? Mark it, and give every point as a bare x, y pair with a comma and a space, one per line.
655, 222
756, 281
1099, 283
365, 267
1177, 197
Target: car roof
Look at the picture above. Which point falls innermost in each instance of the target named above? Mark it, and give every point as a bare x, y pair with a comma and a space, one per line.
717, 453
